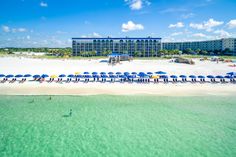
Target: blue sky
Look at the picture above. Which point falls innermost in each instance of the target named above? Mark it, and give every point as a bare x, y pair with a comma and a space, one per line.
52, 23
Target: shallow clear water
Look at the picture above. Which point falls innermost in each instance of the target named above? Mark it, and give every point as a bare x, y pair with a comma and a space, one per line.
117, 126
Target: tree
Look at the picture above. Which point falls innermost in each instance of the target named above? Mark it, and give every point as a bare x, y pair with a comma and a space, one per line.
137, 54
198, 51
188, 51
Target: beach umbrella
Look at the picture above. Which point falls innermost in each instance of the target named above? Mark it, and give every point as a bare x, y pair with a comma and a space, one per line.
79, 76
126, 73
183, 76
18, 76
44, 76
122, 76
149, 73
164, 77
173, 76
77, 73
104, 76
62, 75
1, 75
210, 76
27, 75
228, 77
36, 76
88, 76
112, 76
201, 77
53, 76
155, 77
102, 73
118, 73
9, 76
220, 77
231, 73
110, 73
71, 75
160, 72
134, 73
85, 73
192, 76
94, 73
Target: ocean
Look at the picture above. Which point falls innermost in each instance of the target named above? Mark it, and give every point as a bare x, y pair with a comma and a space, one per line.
129, 126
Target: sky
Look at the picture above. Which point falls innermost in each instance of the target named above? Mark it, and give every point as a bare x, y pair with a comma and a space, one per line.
52, 23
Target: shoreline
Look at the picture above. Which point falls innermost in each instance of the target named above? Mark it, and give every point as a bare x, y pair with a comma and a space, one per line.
82, 89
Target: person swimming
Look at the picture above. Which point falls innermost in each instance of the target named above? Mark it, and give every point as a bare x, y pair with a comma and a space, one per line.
70, 112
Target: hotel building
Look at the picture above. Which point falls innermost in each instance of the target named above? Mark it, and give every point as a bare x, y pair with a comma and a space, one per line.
147, 46
211, 45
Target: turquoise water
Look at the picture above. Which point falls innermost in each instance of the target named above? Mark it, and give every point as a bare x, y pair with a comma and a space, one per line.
117, 126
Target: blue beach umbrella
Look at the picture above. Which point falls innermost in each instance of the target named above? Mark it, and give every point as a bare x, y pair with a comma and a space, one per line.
141, 74
126, 73
18, 76
9, 76
79, 76
110, 73
231, 73
228, 77
118, 73
1, 75
220, 77
210, 76
104, 76
71, 75
183, 76
192, 76
102, 73
164, 77
149, 73
173, 76
62, 75
86, 73
122, 76
134, 73
27, 75
94, 73
36, 76
44, 76
160, 72
201, 77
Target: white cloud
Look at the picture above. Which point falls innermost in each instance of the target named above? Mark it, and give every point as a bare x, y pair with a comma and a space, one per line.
199, 35
206, 25
60, 32
6, 29
43, 4
176, 33
131, 26
13, 30
28, 37
177, 25
187, 16
222, 33
94, 34
231, 24
21, 30
137, 4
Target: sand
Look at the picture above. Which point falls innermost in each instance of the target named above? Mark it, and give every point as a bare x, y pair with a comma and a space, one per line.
10, 65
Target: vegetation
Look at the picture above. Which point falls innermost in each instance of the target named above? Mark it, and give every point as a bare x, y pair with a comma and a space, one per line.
67, 53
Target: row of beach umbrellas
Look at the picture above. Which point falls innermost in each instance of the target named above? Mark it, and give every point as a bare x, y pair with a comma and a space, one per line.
121, 75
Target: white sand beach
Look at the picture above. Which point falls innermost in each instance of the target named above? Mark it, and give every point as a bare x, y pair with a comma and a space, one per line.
10, 65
